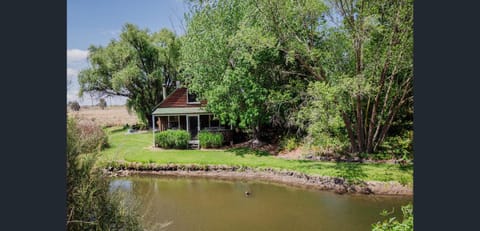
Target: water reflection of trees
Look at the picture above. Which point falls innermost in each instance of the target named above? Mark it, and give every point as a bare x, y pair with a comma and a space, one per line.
141, 195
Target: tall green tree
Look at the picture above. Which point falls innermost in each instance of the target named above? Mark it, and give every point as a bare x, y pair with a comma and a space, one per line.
367, 59
237, 55
134, 66
254, 60
377, 81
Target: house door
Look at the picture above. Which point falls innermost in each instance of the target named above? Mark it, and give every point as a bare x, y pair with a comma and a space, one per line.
193, 126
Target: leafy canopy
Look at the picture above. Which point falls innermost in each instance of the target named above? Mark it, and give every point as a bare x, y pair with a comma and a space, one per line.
238, 56
134, 66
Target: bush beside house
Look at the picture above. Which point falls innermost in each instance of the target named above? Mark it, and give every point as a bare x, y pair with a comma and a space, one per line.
172, 139
210, 139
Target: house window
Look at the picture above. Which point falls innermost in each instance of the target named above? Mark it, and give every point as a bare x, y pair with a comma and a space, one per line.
192, 98
173, 122
214, 123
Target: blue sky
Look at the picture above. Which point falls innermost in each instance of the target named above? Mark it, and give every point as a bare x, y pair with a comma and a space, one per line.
92, 22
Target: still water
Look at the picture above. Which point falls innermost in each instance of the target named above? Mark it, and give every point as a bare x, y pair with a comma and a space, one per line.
181, 203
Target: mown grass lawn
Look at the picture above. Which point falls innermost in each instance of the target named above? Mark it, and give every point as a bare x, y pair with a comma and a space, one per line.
136, 148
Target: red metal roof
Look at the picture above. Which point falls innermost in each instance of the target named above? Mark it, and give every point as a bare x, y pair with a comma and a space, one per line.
178, 98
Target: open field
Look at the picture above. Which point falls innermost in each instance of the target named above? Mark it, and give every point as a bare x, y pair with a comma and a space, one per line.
110, 116
137, 148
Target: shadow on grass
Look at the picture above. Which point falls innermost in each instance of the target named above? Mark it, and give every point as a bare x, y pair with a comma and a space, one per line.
247, 151
350, 171
406, 167
115, 130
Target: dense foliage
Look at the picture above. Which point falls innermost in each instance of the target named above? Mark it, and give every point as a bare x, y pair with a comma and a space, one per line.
235, 55
172, 139
90, 205
210, 139
393, 224
254, 60
375, 82
135, 66
322, 120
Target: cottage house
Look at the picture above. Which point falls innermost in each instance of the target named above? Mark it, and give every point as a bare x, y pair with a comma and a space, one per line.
182, 110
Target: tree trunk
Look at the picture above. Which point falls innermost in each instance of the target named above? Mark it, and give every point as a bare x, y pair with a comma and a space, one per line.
256, 142
360, 135
348, 125
149, 119
391, 115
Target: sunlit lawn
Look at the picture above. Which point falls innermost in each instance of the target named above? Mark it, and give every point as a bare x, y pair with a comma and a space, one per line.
136, 148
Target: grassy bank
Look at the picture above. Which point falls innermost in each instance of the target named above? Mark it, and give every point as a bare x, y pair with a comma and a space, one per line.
136, 148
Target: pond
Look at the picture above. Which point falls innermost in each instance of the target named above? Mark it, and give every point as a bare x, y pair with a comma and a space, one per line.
182, 203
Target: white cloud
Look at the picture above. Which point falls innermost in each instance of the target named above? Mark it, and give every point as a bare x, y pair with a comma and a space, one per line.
71, 73
76, 55
73, 96
76, 61
72, 79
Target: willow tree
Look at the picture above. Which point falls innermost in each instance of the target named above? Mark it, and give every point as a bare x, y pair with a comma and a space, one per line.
134, 66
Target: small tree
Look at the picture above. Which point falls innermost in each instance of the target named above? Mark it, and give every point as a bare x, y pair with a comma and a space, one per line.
102, 104
74, 106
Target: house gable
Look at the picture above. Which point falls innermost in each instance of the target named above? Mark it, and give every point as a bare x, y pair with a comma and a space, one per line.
178, 98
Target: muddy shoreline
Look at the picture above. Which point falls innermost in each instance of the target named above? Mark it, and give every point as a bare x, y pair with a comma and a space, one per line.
336, 184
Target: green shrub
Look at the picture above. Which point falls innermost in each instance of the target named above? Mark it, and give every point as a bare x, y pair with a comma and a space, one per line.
139, 126
394, 225
210, 140
322, 120
172, 139
400, 147
289, 143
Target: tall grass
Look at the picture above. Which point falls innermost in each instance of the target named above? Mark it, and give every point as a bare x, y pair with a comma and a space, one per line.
90, 205
92, 138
